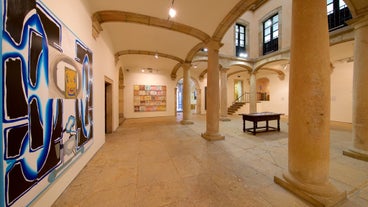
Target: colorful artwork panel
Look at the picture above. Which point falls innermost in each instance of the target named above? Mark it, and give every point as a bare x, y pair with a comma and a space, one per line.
47, 108
149, 98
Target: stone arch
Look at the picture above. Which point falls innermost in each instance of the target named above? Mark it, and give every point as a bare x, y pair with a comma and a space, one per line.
128, 17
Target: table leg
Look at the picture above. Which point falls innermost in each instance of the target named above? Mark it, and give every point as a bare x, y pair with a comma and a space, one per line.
278, 124
254, 127
266, 125
243, 125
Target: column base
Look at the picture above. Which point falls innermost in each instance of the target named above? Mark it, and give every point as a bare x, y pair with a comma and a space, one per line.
186, 122
224, 118
212, 137
321, 196
356, 154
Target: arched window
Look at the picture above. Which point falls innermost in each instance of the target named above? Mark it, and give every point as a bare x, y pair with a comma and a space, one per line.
271, 34
240, 41
337, 13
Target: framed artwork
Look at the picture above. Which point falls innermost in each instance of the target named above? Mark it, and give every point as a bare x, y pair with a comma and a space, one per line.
149, 98
70, 83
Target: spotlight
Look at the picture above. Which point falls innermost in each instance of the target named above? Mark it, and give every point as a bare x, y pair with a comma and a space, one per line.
172, 12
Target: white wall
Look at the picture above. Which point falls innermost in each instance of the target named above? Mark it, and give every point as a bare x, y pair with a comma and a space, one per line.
342, 92
76, 17
136, 77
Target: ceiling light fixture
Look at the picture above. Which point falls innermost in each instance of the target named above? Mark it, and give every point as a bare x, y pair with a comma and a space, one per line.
156, 55
172, 11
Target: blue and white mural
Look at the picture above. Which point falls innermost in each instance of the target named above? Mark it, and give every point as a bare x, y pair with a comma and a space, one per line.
46, 97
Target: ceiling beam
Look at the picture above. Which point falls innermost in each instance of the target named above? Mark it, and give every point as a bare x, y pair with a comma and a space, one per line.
101, 17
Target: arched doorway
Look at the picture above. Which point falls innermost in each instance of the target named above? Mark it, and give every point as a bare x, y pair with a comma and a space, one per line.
195, 96
263, 91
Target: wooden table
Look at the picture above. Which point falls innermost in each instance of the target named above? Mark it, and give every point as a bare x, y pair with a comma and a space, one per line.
258, 117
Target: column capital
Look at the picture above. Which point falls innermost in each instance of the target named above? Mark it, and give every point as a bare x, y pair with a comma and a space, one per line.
252, 73
96, 25
359, 21
222, 69
186, 65
213, 44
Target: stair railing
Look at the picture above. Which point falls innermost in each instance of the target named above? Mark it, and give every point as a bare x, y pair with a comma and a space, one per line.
244, 96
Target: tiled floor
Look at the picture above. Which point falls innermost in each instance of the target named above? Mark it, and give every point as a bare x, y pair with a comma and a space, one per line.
158, 162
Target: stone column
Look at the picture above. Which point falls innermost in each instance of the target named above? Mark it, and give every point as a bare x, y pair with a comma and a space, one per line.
253, 93
359, 149
223, 98
213, 99
186, 95
309, 107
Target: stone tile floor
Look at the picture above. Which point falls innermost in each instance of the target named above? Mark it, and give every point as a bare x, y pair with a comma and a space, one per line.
157, 162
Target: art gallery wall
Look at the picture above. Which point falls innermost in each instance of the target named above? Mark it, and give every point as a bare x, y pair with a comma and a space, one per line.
342, 92
159, 78
77, 18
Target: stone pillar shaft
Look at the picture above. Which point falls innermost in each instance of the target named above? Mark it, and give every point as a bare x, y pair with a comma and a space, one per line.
253, 94
223, 98
186, 95
309, 93
213, 99
360, 96
309, 105
360, 85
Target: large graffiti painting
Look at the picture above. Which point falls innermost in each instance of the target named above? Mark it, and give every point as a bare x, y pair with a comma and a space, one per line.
47, 108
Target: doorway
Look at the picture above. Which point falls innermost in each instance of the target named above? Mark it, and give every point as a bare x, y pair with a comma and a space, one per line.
194, 97
238, 91
108, 105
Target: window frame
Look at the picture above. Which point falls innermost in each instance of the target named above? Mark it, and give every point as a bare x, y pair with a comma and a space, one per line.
237, 37
337, 14
271, 44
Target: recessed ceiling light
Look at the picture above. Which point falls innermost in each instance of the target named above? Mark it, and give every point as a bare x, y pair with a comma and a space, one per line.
172, 12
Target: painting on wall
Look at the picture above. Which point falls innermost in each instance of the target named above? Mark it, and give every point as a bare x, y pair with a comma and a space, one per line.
149, 98
46, 97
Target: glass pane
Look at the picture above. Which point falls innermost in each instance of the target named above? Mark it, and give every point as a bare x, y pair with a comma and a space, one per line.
267, 38
267, 23
241, 29
329, 1
275, 34
275, 18
329, 9
241, 43
242, 37
267, 31
342, 4
236, 28
275, 27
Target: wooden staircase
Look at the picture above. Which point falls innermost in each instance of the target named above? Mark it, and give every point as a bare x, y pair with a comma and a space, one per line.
235, 107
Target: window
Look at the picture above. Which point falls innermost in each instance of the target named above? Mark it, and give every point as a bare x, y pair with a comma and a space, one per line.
240, 36
337, 13
271, 34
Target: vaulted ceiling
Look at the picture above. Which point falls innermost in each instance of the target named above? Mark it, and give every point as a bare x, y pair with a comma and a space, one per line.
141, 28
